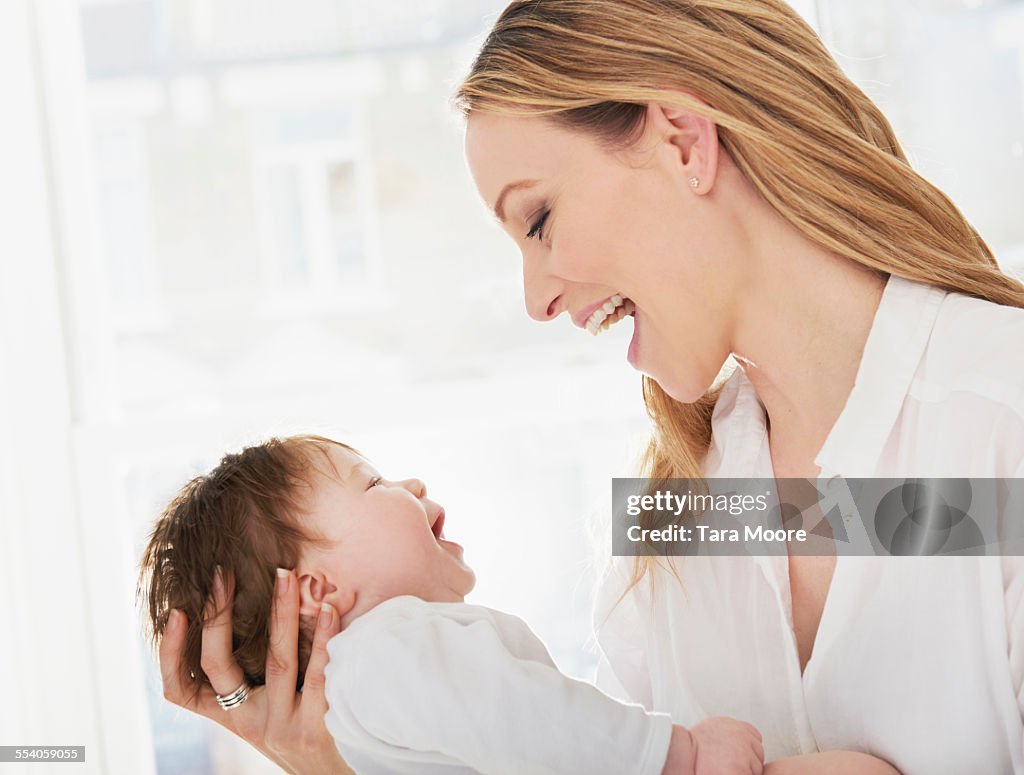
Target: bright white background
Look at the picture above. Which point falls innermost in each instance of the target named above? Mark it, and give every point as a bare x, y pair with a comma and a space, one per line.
227, 219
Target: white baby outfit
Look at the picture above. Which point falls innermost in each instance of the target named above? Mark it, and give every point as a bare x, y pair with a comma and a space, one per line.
444, 688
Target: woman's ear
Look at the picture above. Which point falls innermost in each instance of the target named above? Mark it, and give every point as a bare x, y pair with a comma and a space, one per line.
315, 589
692, 141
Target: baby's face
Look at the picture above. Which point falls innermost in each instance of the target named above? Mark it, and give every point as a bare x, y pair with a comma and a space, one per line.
386, 540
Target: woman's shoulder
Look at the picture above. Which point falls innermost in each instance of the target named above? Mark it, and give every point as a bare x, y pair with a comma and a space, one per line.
975, 350
976, 313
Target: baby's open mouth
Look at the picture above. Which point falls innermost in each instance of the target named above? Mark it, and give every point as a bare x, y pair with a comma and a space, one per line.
438, 527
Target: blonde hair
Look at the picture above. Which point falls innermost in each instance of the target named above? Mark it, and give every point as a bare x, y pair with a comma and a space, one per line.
808, 139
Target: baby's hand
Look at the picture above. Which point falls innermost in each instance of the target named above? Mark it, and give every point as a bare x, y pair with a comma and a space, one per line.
725, 746
716, 746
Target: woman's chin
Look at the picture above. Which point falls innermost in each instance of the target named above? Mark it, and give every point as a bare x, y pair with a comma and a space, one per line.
679, 387
681, 390
683, 396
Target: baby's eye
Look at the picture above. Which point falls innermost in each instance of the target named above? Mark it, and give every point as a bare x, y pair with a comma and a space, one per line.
375, 481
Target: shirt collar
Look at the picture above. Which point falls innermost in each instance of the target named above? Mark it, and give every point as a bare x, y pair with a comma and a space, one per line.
895, 345
739, 433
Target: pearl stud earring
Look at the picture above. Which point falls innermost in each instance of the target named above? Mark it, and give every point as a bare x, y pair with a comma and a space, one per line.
694, 183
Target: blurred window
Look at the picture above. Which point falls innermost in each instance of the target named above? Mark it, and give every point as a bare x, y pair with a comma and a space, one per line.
291, 242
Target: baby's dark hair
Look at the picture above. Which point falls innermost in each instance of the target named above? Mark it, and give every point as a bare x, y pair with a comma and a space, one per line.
245, 516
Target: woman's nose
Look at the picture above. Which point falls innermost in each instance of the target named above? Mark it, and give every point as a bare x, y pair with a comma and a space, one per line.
541, 292
540, 305
549, 313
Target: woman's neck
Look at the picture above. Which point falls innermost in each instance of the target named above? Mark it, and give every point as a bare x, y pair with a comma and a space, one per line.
803, 318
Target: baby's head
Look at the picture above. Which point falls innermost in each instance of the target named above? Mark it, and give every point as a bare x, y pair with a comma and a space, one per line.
303, 502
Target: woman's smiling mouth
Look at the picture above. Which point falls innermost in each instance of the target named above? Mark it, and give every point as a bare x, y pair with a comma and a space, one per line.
604, 314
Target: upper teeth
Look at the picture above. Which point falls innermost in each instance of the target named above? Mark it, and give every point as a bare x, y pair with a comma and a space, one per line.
612, 311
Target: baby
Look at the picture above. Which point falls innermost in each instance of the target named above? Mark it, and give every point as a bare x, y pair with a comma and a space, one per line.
418, 681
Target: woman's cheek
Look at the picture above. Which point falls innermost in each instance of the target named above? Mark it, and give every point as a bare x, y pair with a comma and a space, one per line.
580, 255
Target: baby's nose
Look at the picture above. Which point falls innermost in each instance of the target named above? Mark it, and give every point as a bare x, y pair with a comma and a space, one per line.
416, 486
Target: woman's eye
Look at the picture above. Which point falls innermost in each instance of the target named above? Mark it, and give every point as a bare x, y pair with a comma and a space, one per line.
537, 230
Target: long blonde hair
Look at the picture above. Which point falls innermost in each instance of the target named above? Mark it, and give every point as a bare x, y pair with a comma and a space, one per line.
811, 142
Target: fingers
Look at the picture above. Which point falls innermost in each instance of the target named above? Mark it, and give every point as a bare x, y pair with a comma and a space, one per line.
177, 684
757, 745
217, 660
283, 655
314, 701
172, 646
757, 741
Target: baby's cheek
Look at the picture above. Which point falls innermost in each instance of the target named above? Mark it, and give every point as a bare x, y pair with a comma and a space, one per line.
406, 553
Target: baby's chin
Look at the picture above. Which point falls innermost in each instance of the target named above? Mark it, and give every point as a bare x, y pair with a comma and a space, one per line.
470, 582
463, 585
450, 590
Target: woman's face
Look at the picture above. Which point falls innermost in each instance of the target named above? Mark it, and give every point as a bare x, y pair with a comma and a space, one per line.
592, 223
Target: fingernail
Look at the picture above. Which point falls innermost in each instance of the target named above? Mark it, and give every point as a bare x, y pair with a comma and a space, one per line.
326, 612
218, 580
282, 582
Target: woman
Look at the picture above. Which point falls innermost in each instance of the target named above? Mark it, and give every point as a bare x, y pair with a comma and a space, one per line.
707, 167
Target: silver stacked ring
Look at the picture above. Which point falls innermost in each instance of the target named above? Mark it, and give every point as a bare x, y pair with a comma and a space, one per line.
236, 698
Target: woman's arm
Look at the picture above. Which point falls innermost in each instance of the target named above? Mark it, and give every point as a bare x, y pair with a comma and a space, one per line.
831, 763
284, 725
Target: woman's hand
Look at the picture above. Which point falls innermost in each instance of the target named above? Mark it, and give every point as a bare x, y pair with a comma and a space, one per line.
284, 725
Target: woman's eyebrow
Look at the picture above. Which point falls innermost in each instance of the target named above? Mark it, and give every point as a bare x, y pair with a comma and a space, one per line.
499, 206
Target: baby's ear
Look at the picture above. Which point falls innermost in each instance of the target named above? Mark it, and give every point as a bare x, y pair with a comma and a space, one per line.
315, 590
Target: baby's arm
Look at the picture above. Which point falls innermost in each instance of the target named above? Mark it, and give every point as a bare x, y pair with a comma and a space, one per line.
680, 757
831, 763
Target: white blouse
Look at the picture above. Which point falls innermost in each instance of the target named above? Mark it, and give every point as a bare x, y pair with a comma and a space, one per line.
918, 660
